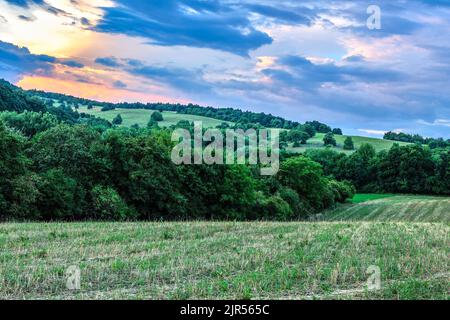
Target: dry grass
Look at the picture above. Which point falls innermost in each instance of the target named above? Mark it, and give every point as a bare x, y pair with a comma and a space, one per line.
201, 260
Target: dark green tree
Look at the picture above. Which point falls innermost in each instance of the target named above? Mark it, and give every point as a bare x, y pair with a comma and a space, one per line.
348, 144
329, 140
117, 120
157, 116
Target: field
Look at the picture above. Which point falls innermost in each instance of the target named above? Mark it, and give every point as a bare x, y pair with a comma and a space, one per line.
317, 142
394, 208
141, 117
232, 260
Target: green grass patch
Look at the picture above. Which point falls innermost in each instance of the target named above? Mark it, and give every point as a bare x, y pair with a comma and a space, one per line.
317, 143
364, 197
141, 117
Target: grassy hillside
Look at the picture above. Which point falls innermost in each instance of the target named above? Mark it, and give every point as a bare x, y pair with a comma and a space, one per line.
317, 142
224, 260
395, 208
141, 117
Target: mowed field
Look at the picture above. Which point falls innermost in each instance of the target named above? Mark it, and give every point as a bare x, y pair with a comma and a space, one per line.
394, 208
141, 117
235, 260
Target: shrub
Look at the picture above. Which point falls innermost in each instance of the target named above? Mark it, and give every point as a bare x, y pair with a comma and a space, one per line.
108, 205
329, 140
342, 190
157, 116
337, 131
299, 209
117, 120
348, 144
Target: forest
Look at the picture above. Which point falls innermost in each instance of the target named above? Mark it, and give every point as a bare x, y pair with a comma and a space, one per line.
58, 164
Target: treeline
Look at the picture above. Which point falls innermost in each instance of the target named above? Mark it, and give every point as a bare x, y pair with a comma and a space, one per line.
416, 138
54, 171
245, 119
413, 169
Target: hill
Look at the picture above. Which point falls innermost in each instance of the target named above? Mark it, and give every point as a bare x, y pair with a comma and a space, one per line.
13, 98
317, 143
395, 208
142, 116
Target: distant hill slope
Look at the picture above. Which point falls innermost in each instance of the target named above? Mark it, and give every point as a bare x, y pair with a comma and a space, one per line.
395, 208
13, 98
317, 142
142, 116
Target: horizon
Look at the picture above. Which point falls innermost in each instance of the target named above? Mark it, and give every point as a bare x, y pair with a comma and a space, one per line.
308, 61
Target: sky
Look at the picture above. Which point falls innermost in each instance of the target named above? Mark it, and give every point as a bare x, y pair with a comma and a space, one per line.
302, 60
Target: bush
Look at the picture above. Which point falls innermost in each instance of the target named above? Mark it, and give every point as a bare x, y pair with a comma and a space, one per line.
348, 144
157, 116
108, 205
152, 124
329, 140
117, 120
299, 209
337, 131
342, 190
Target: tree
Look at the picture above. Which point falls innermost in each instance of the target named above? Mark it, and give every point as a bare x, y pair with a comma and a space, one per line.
297, 136
152, 124
108, 205
329, 140
90, 106
305, 177
348, 144
337, 131
13, 163
157, 116
117, 120
28, 122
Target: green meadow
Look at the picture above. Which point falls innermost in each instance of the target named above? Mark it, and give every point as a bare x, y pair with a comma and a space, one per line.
141, 117
317, 143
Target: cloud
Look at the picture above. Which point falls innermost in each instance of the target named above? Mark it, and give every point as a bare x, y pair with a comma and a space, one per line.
25, 18
17, 61
300, 72
373, 132
72, 63
283, 15
108, 62
119, 84
437, 122
25, 3
195, 23
179, 78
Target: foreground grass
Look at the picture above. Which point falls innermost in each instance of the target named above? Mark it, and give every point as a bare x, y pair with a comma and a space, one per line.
393, 208
201, 260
